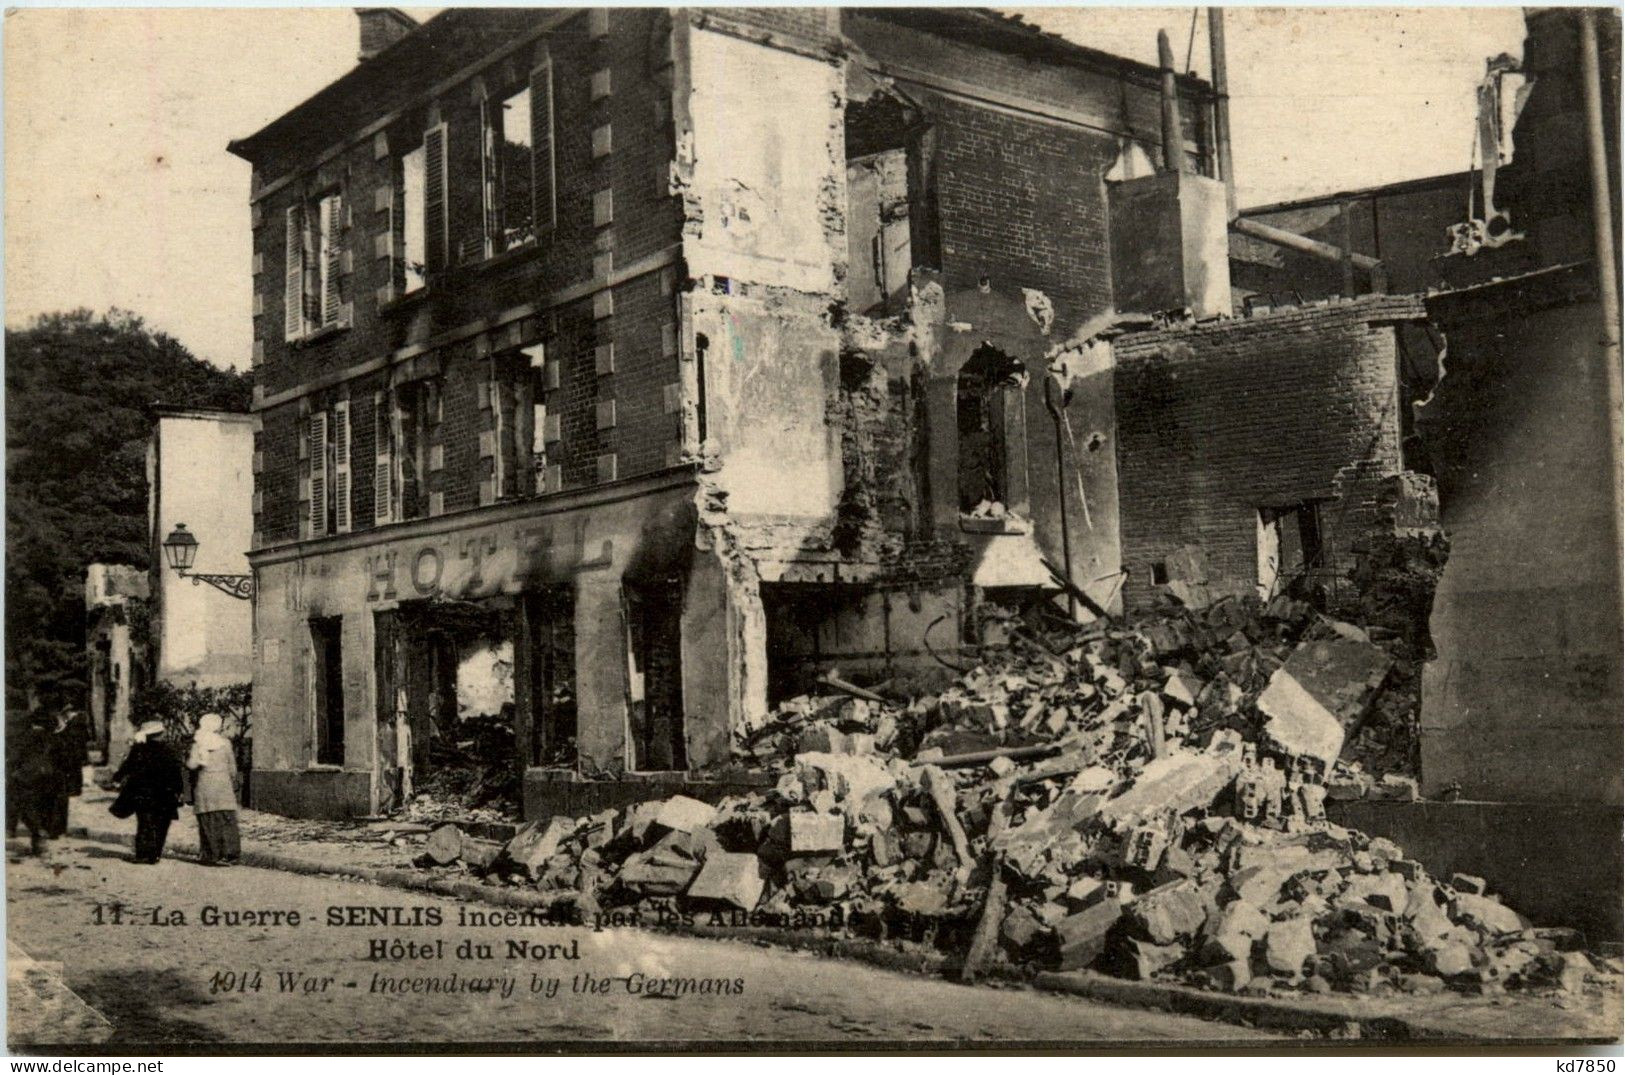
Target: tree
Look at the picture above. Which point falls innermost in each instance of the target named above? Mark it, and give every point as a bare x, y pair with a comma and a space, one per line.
79, 392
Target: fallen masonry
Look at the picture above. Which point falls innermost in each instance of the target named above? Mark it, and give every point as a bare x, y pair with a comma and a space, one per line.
1143, 799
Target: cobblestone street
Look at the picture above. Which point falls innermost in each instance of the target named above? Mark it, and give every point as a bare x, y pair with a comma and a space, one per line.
153, 982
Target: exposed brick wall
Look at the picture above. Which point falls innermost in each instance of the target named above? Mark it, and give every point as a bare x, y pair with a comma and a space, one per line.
1218, 420
1019, 197
1022, 201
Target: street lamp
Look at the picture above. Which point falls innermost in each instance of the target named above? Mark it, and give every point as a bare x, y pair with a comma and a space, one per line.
180, 550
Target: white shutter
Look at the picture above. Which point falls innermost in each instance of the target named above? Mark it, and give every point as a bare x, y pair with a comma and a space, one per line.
318, 474
384, 467
293, 294
332, 256
341, 467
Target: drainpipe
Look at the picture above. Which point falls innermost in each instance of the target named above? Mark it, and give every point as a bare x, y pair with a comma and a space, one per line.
1173, 144
1602, 222
1221, 105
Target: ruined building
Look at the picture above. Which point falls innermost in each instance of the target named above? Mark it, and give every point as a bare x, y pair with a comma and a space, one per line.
620, 371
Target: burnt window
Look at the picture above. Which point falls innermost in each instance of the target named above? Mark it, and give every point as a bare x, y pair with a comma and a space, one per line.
552, 669
655, 675
418, 404
327, 647
988, 401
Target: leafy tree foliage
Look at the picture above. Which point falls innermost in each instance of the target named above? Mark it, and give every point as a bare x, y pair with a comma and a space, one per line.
79, 388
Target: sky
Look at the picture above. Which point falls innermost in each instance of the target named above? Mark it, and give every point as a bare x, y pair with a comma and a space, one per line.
120, 192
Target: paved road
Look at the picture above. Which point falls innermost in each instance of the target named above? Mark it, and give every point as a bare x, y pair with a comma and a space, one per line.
157, 983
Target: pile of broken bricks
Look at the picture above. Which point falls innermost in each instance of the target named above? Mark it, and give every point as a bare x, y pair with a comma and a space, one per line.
1146, 800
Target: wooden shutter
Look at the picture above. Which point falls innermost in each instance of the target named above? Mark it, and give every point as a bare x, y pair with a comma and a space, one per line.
333, 253
341, 467
383, 460
541, 145
293, 295
318, 474
436, 222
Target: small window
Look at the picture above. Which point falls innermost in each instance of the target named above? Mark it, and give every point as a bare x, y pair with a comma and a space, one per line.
327, 639
509, 181
1159, 573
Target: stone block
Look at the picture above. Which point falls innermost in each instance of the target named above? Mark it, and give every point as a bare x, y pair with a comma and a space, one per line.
734, 878
811, 832
684, 814
1082, 936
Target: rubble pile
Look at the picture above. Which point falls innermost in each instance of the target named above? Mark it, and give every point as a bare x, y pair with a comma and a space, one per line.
470, 773
1146, 800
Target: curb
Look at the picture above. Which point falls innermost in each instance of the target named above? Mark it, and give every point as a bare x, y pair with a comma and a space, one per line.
1257, 1012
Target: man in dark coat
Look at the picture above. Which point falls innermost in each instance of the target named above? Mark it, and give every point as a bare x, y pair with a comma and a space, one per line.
68, 755
32, 780
151, 788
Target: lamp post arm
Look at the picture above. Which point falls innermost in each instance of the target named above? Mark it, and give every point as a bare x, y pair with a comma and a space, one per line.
238, 586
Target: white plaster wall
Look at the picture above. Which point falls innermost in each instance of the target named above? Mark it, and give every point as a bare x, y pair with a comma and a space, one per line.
766, 151
204, 478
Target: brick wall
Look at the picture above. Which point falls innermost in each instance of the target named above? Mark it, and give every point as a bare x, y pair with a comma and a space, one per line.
628, 110
1216, 421
1022, 202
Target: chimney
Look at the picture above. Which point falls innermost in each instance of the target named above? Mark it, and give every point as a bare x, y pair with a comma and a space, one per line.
381, 27
1170, 242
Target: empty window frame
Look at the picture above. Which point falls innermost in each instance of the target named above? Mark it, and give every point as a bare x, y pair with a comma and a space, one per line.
989, 404
655, 675
413, 272
510, 182
327, 675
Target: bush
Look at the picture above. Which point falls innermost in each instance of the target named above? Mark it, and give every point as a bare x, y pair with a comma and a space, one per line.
179, 708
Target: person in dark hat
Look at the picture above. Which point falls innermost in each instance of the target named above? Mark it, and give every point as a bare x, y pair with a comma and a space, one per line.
150, 787
68, 755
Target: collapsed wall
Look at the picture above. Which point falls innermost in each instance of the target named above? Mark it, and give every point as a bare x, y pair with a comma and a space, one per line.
1252, 452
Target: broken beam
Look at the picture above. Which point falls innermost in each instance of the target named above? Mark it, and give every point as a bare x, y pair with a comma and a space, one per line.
982, 757
835, 682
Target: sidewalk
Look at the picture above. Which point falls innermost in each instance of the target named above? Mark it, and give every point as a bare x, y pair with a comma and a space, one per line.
358, 850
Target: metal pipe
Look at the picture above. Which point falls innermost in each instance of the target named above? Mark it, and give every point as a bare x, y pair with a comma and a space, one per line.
1173, 142
1602, 223
1221, 104
1269, 233
1060, 481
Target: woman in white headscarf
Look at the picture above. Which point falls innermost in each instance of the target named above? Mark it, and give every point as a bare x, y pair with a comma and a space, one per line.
214, 796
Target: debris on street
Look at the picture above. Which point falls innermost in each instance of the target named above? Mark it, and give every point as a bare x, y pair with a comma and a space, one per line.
1146, 799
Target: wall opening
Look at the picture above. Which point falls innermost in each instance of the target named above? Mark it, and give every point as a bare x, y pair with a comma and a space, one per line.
890, 220
655, 675
988, 401
454, 667
1291, 546
327, 643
